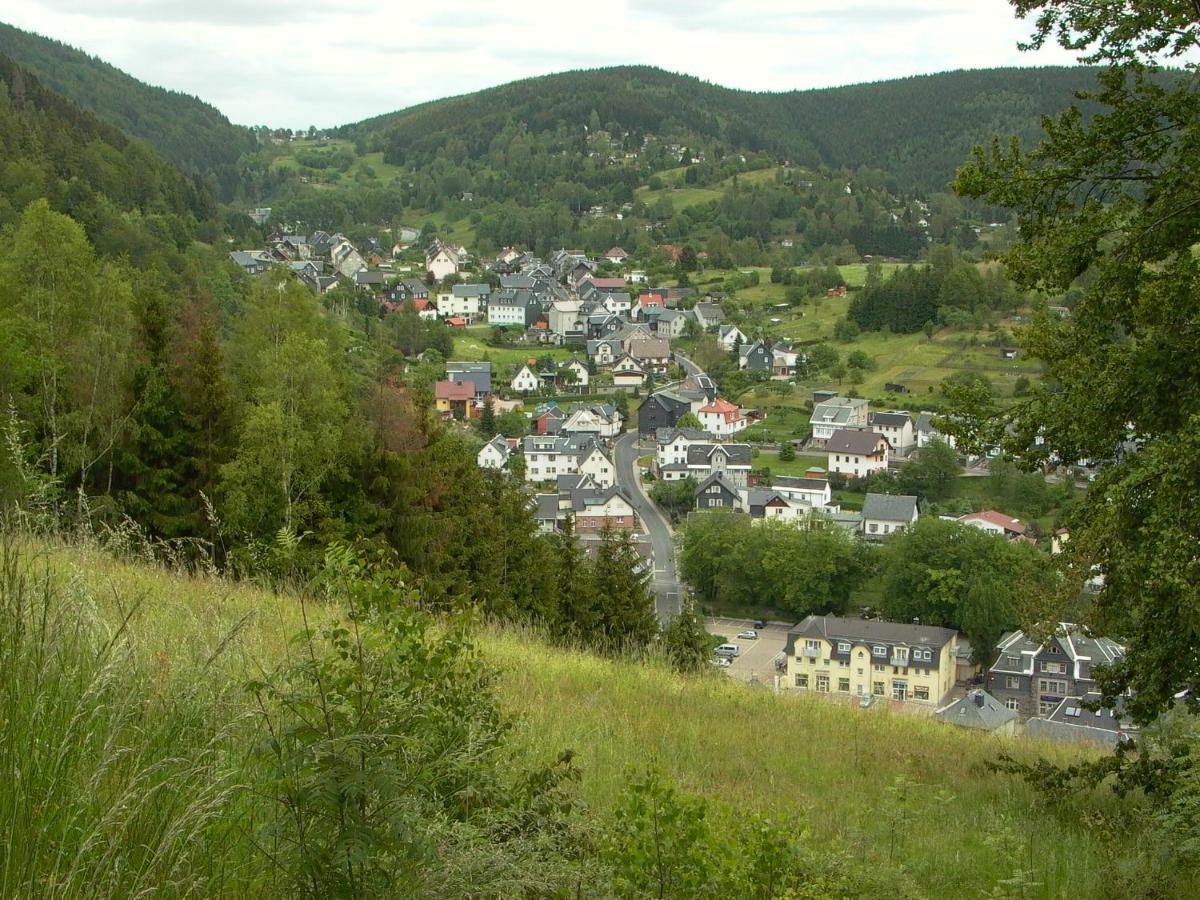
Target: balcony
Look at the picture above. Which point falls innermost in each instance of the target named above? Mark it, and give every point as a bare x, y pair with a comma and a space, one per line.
812, 652
901, 661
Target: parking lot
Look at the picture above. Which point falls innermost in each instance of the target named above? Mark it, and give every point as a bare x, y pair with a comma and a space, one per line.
757, 659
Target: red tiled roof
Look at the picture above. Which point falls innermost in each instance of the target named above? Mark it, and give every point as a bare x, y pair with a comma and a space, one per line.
1008, 523
454, 390
608, 282
650, 300
720, 405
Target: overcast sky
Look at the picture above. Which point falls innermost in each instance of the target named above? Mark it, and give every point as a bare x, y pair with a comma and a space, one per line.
330, 62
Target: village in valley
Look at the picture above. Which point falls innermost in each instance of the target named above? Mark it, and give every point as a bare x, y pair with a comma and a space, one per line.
575, 376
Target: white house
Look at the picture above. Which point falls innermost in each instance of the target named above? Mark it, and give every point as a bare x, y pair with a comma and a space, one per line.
580, 370
525, 381
466, 300
816, 492
627, 374
617, 302
884, 514
494, 454
835, 414
721, 418
897, 427
600, 419
995, 523
548, 456
729, 336
565, 317
925, 431
857, 453
616, 256
673, 322
441, 261
673, 444
595, 463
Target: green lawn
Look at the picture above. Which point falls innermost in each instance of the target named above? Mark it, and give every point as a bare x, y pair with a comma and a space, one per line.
769, 459
468, 346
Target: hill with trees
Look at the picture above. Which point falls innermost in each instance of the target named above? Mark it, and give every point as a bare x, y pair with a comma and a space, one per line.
193, 134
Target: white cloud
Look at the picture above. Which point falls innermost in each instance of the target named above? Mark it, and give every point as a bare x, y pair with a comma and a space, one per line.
329, 62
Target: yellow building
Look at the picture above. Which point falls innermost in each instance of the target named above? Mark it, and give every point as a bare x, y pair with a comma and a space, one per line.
871, 658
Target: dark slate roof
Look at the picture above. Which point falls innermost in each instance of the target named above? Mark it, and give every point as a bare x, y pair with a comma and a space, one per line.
1082, 649
890, 419
798, 483
716, 478
471, 290
701, 454
1072, 712
666, 435
891, 507
861, 442
978, 709
547, 506
869, 631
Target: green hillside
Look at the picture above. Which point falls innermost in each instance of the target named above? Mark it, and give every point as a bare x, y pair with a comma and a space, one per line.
183, 129
918, 129
181, 789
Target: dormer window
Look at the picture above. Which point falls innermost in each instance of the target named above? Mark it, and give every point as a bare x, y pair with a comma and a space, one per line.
843, 647
879, 651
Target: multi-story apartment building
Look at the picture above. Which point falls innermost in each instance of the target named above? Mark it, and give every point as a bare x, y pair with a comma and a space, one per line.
1033, 678
871, 658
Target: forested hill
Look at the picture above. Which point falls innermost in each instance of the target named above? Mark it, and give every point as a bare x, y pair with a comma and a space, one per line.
918, 129
183, 129
132, 203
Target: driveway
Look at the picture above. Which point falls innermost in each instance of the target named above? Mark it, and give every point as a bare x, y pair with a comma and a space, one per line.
757, 659
688, 366
667, 592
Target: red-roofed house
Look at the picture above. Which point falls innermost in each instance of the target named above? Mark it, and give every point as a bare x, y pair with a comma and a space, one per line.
616, 256
721, 418
650, 305
456, 322
995, 523
455, 398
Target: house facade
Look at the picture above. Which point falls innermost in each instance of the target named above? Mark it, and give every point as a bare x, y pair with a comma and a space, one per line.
887, 514
1033, 677
815, 492
524, 381
441, 261
721, 418
836, 414
870, 658
494, 454
857, 454
996, 523
756, 357
717, 492
661, 410
897, 427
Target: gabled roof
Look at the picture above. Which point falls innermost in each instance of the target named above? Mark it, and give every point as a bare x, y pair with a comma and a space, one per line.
889, 507
471, 290
797, 483
834, 628
863, 443
616, 251
717, 478
889, 419
978, 709
650, 299
1082, 649
999, 519
454, 390
702, 454
720, 405
666, 435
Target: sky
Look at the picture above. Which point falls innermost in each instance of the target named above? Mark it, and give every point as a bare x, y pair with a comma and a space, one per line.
331, 62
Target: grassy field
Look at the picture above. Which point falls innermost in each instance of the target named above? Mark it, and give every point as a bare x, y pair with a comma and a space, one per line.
769, 459
891, 790
469, 346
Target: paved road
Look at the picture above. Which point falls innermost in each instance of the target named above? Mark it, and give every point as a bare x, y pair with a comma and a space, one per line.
666, 583
688, 366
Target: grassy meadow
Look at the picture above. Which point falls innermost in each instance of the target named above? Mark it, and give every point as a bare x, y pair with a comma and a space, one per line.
157, 729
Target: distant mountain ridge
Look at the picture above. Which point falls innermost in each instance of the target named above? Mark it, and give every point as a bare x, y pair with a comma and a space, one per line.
185, 130
918, 128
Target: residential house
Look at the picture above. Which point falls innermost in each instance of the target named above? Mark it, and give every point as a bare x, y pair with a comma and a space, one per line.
371, 280
897, 427
549, 420
252, 262
590, 507
721, 418
871, 659
784, 362
981, 711
661, 409
466, 300
717, 492
755, 357
494, 454
616, 256
524, 381
834, 414
566, 319
454, 398
673, 323
703, 460
709, 316
1033, 675
995, 523
857, 453
649, 306
441, 260
548, 456
1075, 721
618, 303
600, 325
768, 503
651, 353
673, 443
346, 260
605, 351
924, 431
884, 514
598, 419
815, 492
513, 307
478, 374
730, 336
627, 374
594, 288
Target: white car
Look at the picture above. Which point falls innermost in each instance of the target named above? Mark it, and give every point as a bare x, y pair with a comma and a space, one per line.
728, 650
721, 662
748, 635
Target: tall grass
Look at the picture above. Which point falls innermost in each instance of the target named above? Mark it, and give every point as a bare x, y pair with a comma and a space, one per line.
116, 778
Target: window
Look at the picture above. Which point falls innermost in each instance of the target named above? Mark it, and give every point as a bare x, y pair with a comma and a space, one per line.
1054, 648
843, 647
812, 645
900, 654
920, 693
879, 651
844, 685
878, 668
899, 690
801, 681
858, 672
873, 528
860, 654
1052, 686
1013, 703
1054, 668
843, 663
877, 688
823, 684
1012, 683
1045, 707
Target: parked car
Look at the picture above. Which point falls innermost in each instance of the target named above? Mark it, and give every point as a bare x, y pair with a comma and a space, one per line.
728, 650
760, 624
748, 635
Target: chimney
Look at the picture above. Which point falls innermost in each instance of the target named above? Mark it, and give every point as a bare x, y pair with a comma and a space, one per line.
977, 696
